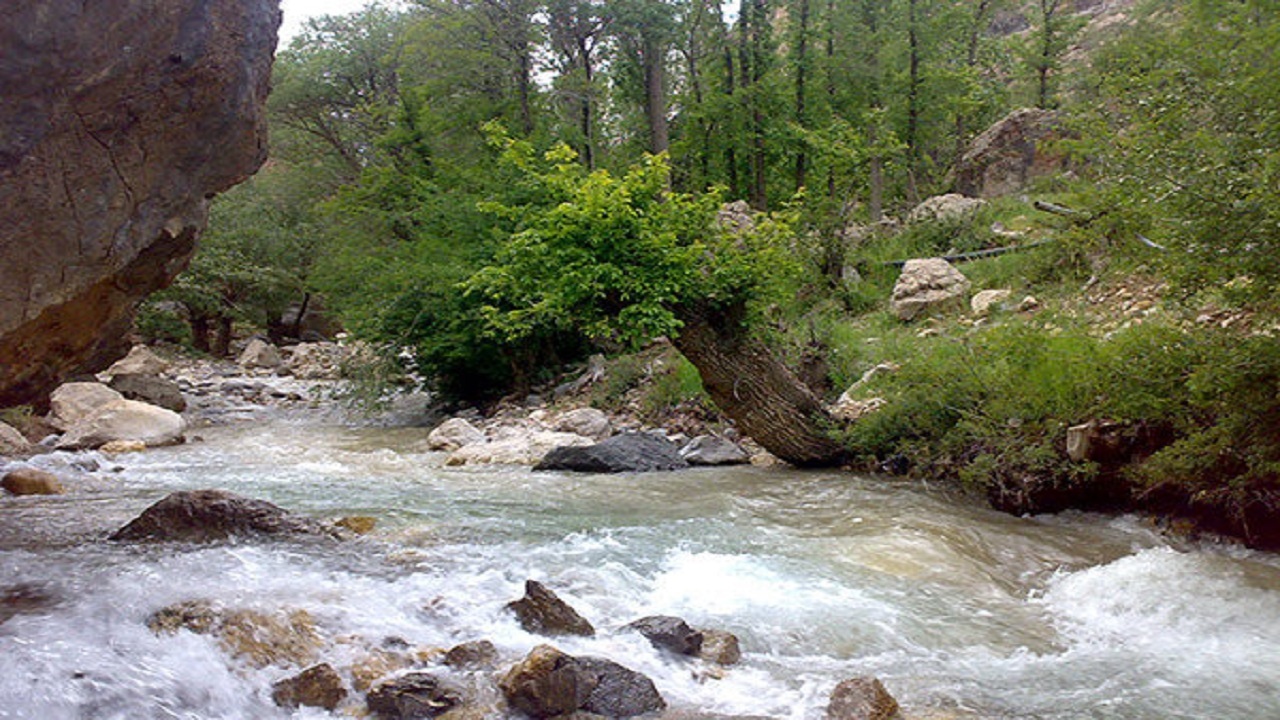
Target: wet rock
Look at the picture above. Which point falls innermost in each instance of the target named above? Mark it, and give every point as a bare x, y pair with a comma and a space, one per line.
415, 695
76, 402
12, 442
30, 481
453, 434
108, 159
983, 302
317, 686
150, 389
720, 647
927, 286
477, 654
125, 420
260, 354
861, 699
1013, 151
541, 611
523, 447
588, 422
712, 450
140, 361
210, 515
628, 452
377, 664
546, 683
261, 639
944, 207
669, 633
618, 692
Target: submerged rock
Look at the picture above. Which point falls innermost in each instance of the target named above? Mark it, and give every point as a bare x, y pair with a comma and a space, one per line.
22, 599
541, 611
415, 695
669, 633
30, 481
210, 515
861, 698
629, 452
262, 639
317, 686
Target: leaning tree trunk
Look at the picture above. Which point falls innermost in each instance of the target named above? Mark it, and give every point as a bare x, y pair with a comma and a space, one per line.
755, 389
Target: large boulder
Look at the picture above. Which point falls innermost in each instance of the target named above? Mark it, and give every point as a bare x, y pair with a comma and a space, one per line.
1010, 153
209, 515
628, 452
150, 389
619, 692
453, 434
542, 611
120, 120
260, 354
928, 286
76, 402
125, 420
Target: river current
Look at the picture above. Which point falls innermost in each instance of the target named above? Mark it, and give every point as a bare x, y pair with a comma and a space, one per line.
960, 611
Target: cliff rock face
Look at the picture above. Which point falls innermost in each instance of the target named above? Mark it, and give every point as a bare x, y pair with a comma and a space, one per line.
1010, 153
119, 120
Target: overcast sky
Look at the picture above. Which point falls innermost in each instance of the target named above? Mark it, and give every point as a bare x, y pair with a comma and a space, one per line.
297, 11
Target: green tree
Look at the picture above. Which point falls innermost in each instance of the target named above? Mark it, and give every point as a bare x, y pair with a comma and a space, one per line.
625, 260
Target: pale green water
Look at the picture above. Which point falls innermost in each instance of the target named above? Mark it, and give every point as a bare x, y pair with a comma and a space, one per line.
960, 611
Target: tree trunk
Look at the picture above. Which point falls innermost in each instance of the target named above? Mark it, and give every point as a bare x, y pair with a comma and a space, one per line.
752, 387
655, 94
222, 337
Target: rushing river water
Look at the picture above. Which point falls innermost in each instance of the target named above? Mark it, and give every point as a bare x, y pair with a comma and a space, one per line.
962, 612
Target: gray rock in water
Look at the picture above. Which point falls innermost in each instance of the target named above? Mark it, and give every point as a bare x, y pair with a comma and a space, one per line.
542, 611
669, 633
415, 695
629, 452
712, 450
211, 515
150, 389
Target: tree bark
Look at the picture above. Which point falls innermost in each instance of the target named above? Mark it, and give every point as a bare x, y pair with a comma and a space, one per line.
755, 389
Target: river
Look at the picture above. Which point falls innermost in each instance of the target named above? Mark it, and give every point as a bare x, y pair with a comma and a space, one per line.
960, 611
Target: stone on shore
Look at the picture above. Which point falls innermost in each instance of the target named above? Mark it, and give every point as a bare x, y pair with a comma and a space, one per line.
125, 420
453, 434
587, 421
12, 442
522, 447
151, 390
260, 354
714, 450
140, 361
78, 401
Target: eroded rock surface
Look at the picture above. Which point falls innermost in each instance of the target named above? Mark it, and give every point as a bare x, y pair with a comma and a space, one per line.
121, 118
209, 515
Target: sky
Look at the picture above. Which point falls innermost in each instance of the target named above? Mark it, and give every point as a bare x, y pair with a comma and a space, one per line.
297, 11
